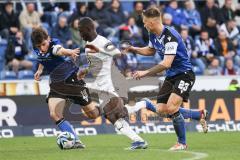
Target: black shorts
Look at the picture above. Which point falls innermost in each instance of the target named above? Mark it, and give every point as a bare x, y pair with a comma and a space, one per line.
70, 89
181, 84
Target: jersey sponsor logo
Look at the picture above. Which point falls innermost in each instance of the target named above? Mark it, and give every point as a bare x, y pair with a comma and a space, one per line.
84, 95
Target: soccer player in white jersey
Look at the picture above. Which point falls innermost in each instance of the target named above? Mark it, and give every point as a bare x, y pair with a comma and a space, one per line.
101, 67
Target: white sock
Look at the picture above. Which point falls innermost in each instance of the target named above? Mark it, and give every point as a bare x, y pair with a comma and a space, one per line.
123, 126
136, 107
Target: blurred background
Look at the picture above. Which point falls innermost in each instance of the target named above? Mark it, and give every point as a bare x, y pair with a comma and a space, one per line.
210, 30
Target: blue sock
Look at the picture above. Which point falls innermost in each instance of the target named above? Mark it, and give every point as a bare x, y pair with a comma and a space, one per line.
150, 106
188, 113
65, 126
179, 127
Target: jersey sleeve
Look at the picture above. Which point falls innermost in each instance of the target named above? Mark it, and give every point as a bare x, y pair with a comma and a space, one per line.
106, 47
170, 43
110, 49
56, 46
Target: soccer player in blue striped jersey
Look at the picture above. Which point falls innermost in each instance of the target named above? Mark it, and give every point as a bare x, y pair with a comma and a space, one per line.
64, 83
167, 42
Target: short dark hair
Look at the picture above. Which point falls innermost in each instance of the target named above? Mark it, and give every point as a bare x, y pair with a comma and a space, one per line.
152, 12
38, 36
86, 22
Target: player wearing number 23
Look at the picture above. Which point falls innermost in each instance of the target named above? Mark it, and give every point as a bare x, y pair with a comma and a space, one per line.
167, 42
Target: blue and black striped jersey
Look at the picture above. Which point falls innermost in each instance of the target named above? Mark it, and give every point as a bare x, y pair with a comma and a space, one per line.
59, 67
171, 43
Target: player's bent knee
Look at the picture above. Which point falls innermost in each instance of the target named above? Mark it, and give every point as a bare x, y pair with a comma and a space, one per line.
115, 109
162, 110
172, 110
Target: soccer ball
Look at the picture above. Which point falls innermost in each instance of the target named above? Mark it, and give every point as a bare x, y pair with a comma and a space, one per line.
65, 140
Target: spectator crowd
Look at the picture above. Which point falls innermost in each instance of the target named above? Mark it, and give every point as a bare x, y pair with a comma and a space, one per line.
209, 29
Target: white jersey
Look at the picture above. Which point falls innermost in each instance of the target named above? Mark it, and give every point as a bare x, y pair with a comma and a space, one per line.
102, 67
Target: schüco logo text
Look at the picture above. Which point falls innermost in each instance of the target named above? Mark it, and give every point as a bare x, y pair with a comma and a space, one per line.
6, 133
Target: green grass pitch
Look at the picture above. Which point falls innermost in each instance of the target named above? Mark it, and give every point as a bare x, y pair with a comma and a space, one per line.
212, 146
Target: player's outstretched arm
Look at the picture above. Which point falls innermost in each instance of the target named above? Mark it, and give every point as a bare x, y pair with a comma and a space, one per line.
165, 64
169, 55
162, 66
74, 53
145, 51
91, 48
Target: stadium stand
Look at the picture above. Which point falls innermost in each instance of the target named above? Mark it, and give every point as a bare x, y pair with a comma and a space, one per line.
25, 74
209, 15
8, 75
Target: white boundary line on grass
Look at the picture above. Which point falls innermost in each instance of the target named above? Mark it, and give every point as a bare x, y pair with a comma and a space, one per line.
197, 155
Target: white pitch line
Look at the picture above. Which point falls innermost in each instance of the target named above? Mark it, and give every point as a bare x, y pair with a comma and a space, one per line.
197, 155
